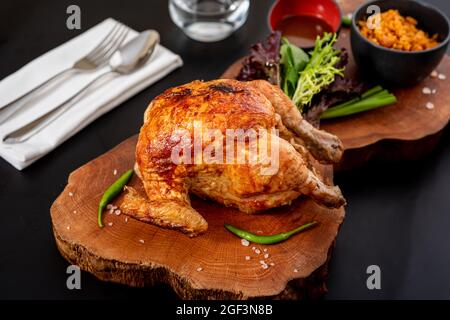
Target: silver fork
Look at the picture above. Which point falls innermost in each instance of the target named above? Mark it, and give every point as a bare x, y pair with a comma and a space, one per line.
95, 59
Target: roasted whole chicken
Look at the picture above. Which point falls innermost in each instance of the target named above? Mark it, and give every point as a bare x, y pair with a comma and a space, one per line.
174, 120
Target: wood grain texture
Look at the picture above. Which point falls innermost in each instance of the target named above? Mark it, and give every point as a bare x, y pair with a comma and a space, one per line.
406, 130
115, 253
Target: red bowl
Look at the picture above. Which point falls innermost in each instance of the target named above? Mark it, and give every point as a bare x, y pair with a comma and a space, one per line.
327, 10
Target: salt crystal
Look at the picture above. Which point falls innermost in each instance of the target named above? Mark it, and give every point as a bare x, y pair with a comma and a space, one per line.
117, 212
126, 219
109, 206
141, 241
266, 255
247, 258
265, 266
70, 194
68, 227
115, 172
110, 224
199, 269
257, 251
434, 74
295, 270
442, 76
74, 211
426, 90
245, 242
429, 105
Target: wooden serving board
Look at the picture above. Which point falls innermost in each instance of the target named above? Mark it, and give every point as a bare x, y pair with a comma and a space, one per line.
406, 130
138, 254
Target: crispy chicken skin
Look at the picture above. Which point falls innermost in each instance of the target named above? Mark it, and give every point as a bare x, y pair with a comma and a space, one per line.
226, 104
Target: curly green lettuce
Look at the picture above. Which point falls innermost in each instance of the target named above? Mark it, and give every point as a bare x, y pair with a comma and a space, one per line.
319, 72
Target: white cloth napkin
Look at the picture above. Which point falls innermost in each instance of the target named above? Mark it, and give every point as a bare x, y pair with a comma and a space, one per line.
96, 103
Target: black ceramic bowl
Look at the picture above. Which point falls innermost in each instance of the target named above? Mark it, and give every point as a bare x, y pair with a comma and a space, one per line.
395, 67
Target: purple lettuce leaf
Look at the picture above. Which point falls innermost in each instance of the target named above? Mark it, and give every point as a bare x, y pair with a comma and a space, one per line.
263, 61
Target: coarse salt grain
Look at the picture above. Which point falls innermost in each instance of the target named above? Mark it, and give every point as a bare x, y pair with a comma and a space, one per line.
110, 224
429, 106
111, 211
257, 251
141, 241
295, 270
262, 262
117, 212
115, 172
70, 194
253, 248
74, 211
434, 91
247, 258
426, 90
245, 242
434, 74
272, 264
265, 250
265, 266
266, 256
126, 219
68, 228
109, 206
199, 269
442, 76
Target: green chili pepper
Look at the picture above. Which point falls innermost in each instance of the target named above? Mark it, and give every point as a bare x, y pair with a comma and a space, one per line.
112, 192
347, 21
276, 238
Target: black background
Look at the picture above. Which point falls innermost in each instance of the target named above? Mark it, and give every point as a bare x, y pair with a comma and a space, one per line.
398, 215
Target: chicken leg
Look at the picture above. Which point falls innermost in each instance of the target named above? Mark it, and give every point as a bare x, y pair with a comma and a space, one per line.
325, 147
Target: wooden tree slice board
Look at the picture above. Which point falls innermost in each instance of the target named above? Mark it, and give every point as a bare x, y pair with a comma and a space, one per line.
406, 130
138, 254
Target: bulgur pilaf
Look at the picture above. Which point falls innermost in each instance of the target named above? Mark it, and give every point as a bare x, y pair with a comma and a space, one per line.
397, 32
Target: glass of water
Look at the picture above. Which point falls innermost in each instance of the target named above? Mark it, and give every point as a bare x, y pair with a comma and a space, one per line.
209, 20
